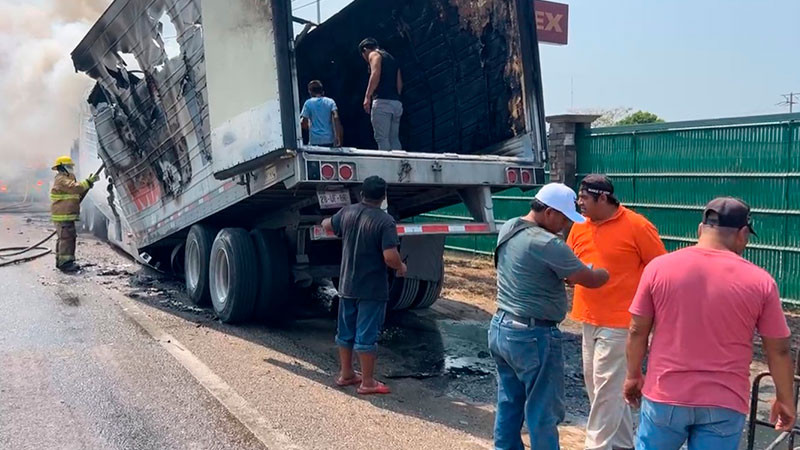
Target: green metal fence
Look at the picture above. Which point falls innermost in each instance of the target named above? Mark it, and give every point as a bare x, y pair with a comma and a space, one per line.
669, 171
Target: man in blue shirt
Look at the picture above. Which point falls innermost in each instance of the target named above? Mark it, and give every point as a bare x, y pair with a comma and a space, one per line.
320, 117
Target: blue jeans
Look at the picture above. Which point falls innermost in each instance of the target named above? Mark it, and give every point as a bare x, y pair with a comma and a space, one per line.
667, 427
530, 383
360, 322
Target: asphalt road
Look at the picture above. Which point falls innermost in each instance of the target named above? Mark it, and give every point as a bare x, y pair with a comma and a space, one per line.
114, 358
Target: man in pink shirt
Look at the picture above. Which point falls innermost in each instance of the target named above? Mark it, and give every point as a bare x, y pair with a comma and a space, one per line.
703, 305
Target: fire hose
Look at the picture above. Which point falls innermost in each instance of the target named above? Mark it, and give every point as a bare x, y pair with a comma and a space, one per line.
8, 252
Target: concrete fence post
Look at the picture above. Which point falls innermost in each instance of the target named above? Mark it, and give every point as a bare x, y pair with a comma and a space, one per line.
562, 150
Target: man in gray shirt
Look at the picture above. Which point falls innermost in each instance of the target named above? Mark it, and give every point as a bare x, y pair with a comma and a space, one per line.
524, 340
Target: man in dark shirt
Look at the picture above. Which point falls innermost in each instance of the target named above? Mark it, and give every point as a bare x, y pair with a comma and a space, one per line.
369, 245
382, 99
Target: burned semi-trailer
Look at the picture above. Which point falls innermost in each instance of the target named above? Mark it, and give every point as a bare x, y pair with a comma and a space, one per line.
196, 110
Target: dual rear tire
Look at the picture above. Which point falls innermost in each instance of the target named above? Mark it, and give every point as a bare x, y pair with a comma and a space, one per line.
246, 275
240, 275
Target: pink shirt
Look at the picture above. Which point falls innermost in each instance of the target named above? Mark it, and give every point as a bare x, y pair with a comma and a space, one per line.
707, 305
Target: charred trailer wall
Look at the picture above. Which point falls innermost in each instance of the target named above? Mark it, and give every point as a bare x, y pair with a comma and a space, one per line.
149, 105
460, 63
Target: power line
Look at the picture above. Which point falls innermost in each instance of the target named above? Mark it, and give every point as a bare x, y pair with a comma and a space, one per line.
791, 99
305, 5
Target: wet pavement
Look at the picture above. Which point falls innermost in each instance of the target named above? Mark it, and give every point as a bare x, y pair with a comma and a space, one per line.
77, 374
123, 391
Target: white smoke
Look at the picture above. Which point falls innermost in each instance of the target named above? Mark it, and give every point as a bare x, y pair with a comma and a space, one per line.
40, 93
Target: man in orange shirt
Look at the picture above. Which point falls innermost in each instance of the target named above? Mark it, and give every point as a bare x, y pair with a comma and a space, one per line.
623, 242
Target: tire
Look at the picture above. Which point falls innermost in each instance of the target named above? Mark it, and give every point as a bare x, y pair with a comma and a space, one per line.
197, 254
177, 258
274, 283
233, 273
402, 292
429, 292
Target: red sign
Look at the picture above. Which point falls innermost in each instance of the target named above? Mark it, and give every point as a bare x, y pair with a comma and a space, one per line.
551, 21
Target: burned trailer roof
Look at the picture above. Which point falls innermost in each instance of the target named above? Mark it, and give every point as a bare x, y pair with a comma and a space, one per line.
460, 62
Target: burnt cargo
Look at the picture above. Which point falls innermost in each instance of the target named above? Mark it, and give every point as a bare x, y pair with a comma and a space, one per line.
461, 66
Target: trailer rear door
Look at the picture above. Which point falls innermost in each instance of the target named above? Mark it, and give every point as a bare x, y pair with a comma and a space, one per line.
249, 83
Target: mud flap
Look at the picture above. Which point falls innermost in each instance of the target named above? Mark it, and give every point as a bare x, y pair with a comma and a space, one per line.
424, 256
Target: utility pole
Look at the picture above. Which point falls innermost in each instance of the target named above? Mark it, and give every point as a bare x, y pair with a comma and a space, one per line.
319, 14
790, 99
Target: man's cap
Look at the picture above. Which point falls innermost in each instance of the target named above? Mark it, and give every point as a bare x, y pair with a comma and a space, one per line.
374, 187
598, 184
561, 198
368, 42
731, 213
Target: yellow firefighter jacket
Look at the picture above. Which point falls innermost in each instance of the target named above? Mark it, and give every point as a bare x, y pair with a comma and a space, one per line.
65, 197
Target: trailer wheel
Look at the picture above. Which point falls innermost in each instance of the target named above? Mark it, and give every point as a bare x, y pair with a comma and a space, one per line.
177, 258
273, 271
233, 275
197, 255
402, 292
429, 292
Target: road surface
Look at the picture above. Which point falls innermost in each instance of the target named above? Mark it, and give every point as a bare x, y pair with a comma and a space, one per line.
113, 358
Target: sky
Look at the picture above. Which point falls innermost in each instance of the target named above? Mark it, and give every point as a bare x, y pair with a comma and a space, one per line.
680, 59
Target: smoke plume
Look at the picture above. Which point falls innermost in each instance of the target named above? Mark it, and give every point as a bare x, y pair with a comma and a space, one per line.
40, 93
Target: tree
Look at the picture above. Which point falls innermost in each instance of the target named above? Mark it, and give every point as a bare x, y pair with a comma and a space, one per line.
639, 117
608, 117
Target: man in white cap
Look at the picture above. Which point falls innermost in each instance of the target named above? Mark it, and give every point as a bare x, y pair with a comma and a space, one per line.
532, 264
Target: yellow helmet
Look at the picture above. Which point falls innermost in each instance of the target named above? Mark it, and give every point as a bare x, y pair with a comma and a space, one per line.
63, 161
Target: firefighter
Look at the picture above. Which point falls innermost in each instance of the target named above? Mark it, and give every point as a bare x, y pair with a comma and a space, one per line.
65, 198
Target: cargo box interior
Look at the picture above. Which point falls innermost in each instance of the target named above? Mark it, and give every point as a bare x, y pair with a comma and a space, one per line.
460, 65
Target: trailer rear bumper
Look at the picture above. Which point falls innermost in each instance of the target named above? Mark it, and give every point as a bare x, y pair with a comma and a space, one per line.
320, 234
337, 166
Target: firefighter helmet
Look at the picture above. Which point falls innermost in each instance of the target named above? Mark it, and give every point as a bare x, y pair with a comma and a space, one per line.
63, 161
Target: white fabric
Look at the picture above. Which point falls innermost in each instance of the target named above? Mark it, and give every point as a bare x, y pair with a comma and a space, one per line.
561, 198
610, 424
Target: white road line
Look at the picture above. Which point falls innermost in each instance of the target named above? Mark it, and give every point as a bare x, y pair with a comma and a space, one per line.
222, 391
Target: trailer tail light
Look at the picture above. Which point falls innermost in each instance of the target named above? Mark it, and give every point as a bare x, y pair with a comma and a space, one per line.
526, 175
327, 171
512, 175
3, 188
346, 172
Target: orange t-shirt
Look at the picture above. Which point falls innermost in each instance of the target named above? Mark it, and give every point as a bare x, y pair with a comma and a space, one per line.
623, 245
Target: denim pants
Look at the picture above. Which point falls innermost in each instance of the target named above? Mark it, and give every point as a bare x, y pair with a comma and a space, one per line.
359, 324
667, 427
386, 123
530, 383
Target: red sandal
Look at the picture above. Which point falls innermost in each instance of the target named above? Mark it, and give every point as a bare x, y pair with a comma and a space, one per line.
379, 388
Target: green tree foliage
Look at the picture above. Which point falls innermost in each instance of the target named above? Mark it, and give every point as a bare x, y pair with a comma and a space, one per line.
639, 117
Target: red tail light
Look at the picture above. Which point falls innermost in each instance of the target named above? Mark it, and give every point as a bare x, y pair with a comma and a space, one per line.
327, 171
39, 183
527, 176
346, 172
512, 175
3, 188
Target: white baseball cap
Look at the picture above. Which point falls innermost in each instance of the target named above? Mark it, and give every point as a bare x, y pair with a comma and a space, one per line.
561, 198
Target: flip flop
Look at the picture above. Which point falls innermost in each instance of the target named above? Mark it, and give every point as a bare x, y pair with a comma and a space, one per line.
380, 388
349, 382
